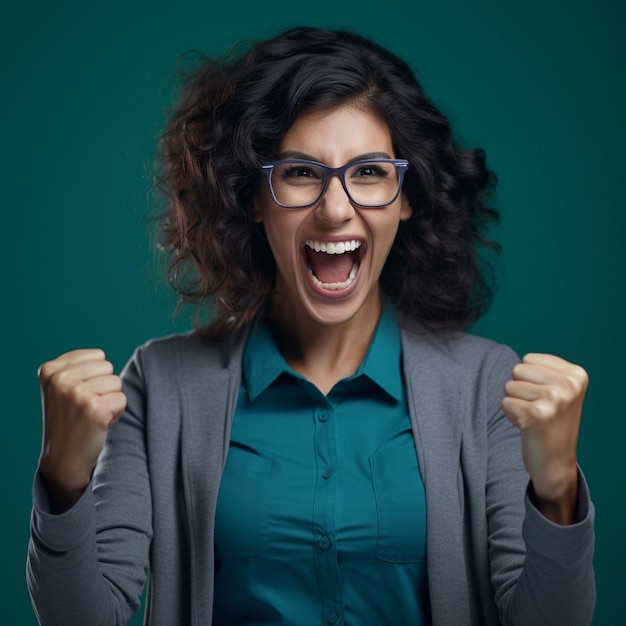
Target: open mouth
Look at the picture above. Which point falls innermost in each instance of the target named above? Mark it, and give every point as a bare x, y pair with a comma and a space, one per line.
333, 265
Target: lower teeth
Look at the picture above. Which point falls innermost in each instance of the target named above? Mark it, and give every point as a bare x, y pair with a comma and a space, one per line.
335, 286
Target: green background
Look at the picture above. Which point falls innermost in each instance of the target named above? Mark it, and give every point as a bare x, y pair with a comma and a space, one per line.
539, 85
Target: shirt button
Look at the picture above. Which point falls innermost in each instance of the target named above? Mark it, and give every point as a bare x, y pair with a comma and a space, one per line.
327, 473
332, 617
324, 543
322, 416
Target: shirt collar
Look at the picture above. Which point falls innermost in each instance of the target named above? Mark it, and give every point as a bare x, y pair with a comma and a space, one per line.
263, 363
382, 363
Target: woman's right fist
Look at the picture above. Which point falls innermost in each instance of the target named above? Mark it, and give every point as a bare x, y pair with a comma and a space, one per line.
81, 398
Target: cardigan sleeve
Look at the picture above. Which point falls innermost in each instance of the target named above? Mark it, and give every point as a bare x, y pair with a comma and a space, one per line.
89, 564
557, 583
542, 572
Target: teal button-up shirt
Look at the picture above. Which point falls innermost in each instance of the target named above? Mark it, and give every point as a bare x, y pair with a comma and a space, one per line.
321, 511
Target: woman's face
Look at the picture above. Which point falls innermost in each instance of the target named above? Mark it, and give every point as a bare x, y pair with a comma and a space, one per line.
331, 288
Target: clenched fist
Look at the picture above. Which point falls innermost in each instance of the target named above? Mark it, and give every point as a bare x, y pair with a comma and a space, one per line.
545, 400
81, 398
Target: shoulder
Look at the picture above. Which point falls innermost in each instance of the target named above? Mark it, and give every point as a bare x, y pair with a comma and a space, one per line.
461, 373
190, 351
455, 358
454, 349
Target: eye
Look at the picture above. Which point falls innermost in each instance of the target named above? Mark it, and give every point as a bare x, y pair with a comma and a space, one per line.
298, 171
369, 170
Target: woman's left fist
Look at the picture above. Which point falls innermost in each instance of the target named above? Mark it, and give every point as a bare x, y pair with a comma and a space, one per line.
544, 400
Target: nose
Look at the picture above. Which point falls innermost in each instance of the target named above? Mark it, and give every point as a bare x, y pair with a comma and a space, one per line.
334, 207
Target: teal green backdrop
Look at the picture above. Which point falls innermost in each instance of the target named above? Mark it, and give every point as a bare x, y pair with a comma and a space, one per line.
539, 85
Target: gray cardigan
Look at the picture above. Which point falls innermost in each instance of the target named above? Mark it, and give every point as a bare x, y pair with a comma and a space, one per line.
491, 557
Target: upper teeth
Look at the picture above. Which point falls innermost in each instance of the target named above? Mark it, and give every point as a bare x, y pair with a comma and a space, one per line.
334, 247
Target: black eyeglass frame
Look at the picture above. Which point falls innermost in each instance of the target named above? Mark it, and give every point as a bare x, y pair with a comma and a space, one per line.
401, 166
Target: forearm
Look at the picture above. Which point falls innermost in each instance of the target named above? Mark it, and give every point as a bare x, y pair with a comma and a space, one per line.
557, 584
64, 573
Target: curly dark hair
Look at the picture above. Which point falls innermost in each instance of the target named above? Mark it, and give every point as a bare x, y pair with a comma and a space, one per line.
231, 117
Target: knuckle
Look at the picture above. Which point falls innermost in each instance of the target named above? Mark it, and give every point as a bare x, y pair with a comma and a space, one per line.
92, 403
581, 375
541, 411
554, 395
535, 411
64, 384
102, 417
87, 404
43, 372
61, 378
574, 384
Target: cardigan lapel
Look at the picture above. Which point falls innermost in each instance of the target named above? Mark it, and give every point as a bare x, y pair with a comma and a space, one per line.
434, 389
210, 397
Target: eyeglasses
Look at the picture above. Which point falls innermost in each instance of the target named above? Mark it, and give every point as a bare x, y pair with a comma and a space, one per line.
298, 184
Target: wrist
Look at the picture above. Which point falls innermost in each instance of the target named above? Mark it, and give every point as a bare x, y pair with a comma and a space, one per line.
61, 496
557, 501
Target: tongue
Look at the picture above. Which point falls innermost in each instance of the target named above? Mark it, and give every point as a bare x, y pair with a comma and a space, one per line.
331, 268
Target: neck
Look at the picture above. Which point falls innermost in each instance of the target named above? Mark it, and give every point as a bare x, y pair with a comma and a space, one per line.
324, 354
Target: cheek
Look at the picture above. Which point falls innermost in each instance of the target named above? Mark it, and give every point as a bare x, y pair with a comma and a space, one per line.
385, 232
383, 239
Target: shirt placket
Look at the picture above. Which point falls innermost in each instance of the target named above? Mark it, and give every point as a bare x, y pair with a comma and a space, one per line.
325, 515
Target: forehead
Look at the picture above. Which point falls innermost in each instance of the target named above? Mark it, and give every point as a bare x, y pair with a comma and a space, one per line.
338, 135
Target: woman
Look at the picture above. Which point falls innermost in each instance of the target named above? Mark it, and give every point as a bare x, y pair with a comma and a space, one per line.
330, 448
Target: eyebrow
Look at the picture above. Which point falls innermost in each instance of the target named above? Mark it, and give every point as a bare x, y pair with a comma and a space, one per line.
296, 154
